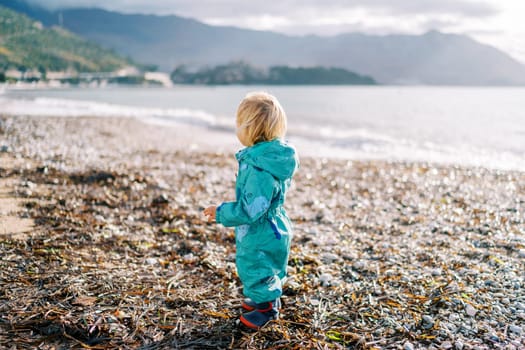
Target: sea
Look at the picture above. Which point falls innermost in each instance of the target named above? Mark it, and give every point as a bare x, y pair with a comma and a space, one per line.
464, 126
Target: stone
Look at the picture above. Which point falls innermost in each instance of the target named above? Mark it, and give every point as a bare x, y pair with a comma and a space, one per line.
359, 265
446, 345
325, 279
151, 261
515, 329
329, 258
436, 272
408, 346
427, 321
189, 258
470, 310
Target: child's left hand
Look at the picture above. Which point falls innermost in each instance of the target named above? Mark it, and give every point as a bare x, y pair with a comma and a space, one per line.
210, 212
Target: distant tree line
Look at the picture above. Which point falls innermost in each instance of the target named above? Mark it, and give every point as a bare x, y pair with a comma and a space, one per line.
244, 73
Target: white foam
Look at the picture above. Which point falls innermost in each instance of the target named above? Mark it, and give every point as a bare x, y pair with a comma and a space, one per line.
406, 150
314, 140
45, 106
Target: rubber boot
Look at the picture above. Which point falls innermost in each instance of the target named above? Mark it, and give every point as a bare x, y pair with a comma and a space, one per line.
248, 304
263, 313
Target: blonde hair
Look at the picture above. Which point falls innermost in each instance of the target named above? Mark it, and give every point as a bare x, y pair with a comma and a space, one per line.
262, 117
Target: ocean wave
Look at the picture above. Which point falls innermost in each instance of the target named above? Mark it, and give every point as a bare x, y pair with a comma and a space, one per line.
366, 145
354, 138
314, 139
56, 107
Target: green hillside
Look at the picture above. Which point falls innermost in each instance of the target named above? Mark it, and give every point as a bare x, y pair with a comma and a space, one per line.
26, 44
244, 73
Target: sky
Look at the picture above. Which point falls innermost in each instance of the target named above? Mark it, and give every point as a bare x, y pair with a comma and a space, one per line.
495, 22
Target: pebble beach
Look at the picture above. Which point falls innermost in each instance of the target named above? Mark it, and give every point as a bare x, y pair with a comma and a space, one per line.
385, 255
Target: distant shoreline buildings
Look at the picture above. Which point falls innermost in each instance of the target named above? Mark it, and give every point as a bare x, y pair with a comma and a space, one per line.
126, 75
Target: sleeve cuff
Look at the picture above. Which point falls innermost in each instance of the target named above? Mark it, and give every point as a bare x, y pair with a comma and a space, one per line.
218, 213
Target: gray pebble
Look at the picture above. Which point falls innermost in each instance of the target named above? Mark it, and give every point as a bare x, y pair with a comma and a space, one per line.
100, 218
446, 345
436, 272
335, 283
457, 301
408, 346
458, 345
454, 317
515, 329
494, 338
521, 253
329, 258
151, 261
359, 265
188, 258
450, 327
4, 149
325, 279
470, 310
490, 283
427, 321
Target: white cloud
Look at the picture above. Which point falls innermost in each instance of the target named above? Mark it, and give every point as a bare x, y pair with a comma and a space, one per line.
241, 8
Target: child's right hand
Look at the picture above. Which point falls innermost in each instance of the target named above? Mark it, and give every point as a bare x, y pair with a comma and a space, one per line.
210, 212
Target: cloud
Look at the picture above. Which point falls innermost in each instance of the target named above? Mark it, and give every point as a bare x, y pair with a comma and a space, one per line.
241, 8
300, 17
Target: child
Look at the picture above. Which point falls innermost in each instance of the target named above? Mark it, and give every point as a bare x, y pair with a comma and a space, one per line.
262, 227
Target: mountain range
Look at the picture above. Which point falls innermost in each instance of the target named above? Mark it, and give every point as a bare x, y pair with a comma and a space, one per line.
433, 58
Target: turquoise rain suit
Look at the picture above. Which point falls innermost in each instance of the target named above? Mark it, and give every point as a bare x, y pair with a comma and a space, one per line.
263, 230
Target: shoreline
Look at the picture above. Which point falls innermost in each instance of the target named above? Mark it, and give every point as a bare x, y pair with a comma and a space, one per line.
176, 134
385, 254
497, 148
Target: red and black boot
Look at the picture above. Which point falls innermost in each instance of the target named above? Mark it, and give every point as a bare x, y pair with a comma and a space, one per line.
261, 313
248, 304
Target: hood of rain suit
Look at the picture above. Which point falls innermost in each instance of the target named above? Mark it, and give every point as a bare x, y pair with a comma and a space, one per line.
275, 157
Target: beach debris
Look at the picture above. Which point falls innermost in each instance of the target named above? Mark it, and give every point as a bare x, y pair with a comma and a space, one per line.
404, 255
160, 200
